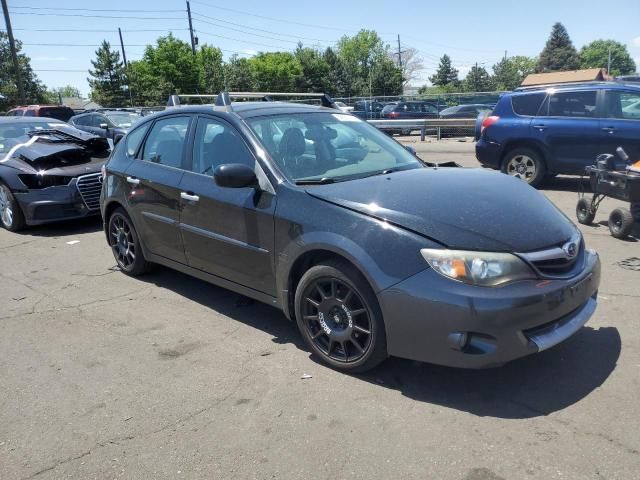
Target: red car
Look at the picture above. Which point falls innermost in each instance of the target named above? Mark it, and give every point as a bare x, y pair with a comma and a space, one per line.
59, 112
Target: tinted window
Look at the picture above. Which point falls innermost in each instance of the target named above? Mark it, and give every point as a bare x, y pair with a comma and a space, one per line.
166, 140
215, 144
81, 121
58, 113
624, 105
96, 120
388, 108
527, 105
29, 113
572, 104
134, 139
428, 108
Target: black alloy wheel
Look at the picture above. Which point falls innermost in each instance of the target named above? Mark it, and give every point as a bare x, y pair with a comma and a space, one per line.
125, 245
339, 318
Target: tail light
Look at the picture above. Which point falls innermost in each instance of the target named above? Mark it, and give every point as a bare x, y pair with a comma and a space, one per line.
394, 114
487, 122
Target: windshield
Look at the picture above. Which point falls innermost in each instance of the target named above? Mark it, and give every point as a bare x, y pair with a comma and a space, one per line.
329, 146
12, 134
123, 119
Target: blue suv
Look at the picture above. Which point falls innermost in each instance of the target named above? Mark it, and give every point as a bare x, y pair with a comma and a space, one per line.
536, 133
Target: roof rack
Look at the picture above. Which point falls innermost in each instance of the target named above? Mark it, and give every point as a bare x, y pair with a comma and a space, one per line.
562, 84
223, 99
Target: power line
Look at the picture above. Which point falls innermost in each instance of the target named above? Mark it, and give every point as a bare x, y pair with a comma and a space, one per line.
98, 10
297, 37
235, 39
96, 31
242, 31
95, 16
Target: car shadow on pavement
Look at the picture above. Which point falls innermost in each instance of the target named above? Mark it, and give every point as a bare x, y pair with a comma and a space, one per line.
64, 228
225, 302
532, 386
567, 184
529, 387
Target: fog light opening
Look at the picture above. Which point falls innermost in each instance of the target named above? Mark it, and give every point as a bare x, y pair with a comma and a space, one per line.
458, 340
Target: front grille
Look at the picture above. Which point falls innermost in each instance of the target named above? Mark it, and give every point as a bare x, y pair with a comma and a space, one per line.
89, 187
555, 262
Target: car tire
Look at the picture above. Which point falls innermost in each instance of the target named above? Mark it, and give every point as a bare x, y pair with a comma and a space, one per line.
583, 211
339, 317
620, 223
125, 244
11, 216
526, 164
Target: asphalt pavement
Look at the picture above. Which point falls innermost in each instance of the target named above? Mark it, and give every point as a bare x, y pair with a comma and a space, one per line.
165, 377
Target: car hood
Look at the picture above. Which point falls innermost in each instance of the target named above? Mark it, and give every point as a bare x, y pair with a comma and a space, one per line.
461, 208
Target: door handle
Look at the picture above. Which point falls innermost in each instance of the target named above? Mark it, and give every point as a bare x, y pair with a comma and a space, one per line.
133, 181
189, 197
609, 129
540, 127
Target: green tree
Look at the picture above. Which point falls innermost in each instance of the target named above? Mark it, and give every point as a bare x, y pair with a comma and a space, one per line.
508, 73
314, 75
275, 71
478, 80
147, 88
559, 53
54, 94
107, 79
238, 75
366, 60
446, 75
211, 69
596, 55
172, 62
34, 90
337, 84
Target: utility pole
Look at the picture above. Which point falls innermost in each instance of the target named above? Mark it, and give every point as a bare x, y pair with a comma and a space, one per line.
14, 55
609, 63
399, 54
193, 43
505, 55
126, 66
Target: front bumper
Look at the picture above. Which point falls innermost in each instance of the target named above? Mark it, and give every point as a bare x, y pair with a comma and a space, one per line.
53, 204
433, 319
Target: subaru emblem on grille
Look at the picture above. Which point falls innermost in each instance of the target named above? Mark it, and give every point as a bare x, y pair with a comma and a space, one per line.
570, 249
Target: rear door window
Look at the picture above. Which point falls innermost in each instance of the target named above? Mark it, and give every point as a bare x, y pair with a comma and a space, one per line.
134, 139
623, 105
580, 104
527, 105
166, 140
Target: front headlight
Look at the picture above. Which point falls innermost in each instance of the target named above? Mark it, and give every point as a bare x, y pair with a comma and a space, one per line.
485, 269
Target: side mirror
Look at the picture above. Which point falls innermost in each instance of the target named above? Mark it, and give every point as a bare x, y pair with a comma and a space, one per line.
104, 126
235, 175
117, 138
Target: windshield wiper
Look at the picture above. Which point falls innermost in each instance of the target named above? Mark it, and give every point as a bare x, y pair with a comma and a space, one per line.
315, 181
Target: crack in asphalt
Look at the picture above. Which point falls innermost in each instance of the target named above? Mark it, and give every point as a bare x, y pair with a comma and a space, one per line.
57, 464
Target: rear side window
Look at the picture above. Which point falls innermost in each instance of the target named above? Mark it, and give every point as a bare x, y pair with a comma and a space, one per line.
624, 105
166, 140
573, 104
58, 113
134, 139
29, 113
527, 105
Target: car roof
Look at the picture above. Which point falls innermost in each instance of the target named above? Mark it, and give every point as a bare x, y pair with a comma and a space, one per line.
578, 87
247, 109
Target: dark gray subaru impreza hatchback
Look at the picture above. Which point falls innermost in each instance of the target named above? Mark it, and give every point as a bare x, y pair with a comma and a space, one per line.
371, 251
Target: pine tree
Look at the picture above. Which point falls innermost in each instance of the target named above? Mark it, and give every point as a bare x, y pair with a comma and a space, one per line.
478, 80
446, 75
559, 53
108, 77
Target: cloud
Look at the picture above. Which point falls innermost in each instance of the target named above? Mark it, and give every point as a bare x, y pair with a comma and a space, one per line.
50, 59
636, 42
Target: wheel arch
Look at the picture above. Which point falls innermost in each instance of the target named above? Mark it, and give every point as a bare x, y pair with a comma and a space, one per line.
307, 260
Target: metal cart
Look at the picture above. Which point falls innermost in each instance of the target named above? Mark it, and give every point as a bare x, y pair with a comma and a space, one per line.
608, 181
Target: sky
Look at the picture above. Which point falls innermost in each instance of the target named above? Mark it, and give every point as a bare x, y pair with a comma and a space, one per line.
468, 31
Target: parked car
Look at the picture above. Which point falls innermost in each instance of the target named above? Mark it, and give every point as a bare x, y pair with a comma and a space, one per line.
372, 257
48, 171
367, 109
111, 124
59, 112
538, 132
344, 107
406, 111
464, 111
